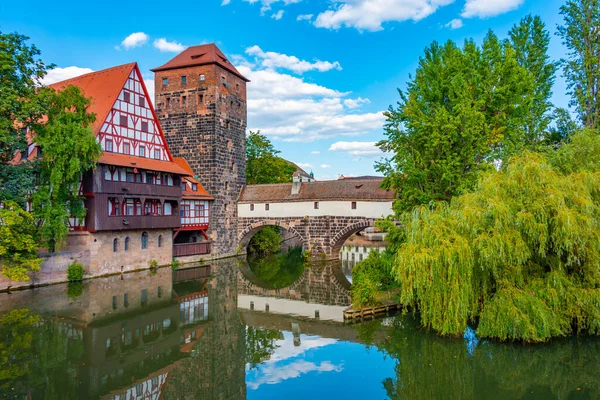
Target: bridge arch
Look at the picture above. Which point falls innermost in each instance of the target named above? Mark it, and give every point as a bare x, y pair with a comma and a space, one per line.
338, 240
247, 234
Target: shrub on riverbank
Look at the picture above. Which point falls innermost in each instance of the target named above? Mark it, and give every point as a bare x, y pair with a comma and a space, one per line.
75, 272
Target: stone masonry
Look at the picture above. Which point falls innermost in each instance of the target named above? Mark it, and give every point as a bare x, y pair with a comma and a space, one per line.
204, 121
320, 235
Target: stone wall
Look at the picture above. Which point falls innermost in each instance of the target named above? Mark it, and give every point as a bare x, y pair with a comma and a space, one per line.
209, 131
95, 252
320, 235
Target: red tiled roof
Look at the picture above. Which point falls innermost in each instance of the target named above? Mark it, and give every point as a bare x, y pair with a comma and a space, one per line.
200, 55
355, 189
103, 87
188, 193
123, 160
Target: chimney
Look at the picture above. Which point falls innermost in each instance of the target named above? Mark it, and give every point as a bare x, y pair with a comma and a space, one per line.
296, 183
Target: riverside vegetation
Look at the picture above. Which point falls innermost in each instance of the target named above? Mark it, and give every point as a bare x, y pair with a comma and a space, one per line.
498, 192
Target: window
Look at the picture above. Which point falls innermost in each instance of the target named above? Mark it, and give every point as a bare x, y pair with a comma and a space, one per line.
126, 148
226, 185
145, 240
316, 205
228, 125
142, 101
237, 86
127, 243
108, 145
251, 207
200, 98
267, 207
223, 80
157, 179
160, 293
183, 186
354, 205
114, 302
142, 151
126, 97
170, 181
183, 79
157, 154
201, 77
165, 81
168, 208
132, 207
159, 240
115, 245
113, 206
144, 126
126, 299
194, 187
144, 299
168, 101
153, 207
183, 99
123, 120
132, 175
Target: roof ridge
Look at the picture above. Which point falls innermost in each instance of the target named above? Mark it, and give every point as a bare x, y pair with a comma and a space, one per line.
92, 73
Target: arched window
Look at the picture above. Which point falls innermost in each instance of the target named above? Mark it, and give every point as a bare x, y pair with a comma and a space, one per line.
127, 243
145, 240
115, 245
159, 240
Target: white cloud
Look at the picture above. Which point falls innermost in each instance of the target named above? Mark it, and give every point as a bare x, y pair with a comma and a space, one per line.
225, 2
278, 15
288, 108
265, 4
489, 8
163, 45
61, 74
368, 149
136, 39
304, 165
456, 23
274, 374
371, 14
324, 166
270, 59
315, 152
356, 103
304, 17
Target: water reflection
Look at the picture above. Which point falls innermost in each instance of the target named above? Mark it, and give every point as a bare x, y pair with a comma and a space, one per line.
357, 248
206, 333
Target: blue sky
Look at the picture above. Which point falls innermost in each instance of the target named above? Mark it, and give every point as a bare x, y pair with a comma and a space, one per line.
322, 72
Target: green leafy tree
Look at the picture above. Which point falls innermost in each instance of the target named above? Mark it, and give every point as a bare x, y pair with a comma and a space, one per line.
20, 73
18, 244
265, 241
260, 344
530, 39
519, 254
262, 163
562, 129
69, 150
581, 35
462, 110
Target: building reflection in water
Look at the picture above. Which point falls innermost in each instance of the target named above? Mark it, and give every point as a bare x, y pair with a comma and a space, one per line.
358, 247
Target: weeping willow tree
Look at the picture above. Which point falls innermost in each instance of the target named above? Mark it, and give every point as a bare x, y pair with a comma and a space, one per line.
519, 255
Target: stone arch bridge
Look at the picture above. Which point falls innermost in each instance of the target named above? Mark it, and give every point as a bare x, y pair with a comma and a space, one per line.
321, 215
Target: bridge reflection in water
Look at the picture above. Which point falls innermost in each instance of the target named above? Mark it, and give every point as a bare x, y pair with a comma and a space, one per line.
207, 333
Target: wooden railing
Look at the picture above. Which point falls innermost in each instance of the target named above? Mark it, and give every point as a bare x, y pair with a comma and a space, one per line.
190, 249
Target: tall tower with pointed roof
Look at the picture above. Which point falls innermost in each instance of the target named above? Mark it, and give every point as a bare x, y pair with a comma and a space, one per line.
201, 104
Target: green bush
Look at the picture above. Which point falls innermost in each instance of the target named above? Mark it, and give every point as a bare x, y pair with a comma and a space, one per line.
175, 264
265, 241
370, 276
75, 272
153, 264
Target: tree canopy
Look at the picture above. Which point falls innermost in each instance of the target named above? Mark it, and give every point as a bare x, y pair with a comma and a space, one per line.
520, 252
263, 165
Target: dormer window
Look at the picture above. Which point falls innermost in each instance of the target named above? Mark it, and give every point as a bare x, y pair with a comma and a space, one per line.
183, 186
194, 187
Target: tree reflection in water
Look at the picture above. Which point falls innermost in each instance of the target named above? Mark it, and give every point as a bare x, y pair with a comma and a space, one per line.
433, 367
278, 270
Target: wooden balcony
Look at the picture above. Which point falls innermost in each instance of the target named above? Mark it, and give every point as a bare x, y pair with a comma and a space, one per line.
190, 249
130, 189
138, 222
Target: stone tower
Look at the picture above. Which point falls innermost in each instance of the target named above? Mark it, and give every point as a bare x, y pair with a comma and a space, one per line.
201, 104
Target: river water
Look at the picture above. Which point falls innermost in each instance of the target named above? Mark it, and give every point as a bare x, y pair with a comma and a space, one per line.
269, 329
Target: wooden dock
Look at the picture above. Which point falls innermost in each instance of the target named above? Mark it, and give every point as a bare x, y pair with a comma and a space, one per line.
352, 314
